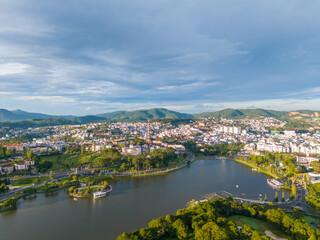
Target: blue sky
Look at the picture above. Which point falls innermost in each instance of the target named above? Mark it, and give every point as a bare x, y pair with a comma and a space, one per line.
87, 57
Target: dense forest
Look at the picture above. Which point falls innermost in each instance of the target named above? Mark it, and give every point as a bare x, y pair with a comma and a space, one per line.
209, 220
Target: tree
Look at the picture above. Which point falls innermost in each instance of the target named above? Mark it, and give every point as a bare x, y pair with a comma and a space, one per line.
283, 197
10, 203
211, 231
181, 228
191, 203
305, 179
276, 199
293, 190
36, 181
105, 184
51, 175
83, 150
265, 197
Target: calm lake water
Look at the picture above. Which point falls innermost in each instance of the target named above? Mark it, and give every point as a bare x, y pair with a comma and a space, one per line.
131, 205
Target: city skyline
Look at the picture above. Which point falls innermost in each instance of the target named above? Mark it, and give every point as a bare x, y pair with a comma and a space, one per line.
86, 58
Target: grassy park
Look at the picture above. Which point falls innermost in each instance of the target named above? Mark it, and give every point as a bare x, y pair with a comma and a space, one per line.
259, 225
65, 162
28, 181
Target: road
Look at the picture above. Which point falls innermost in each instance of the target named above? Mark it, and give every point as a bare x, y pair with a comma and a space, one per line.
298, 202
57, 176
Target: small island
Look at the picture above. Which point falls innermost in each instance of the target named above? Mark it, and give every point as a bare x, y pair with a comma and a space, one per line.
88, 191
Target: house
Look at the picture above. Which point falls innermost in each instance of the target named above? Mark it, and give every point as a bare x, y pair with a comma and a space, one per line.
305, 160
132, 150
29, 162
15, 146
8, 168
314, 177
38, 149
3, 164
21, 166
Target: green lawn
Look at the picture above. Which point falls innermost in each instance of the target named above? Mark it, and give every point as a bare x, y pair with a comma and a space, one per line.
92, 190
259, 225
28, 181
303, 216
65, 161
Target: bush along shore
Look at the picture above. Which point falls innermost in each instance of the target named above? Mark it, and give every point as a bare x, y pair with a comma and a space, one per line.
87, 191
78, 186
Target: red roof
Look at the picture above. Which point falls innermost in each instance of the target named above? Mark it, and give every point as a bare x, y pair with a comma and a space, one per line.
14, 145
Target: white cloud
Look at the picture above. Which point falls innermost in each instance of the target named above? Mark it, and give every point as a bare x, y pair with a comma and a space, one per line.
189, 86
13, 68
55, 100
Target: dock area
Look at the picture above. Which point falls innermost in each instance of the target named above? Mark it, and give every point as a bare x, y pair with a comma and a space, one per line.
216, 195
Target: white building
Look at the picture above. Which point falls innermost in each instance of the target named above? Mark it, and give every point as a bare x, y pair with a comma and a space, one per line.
132, 150
231, 130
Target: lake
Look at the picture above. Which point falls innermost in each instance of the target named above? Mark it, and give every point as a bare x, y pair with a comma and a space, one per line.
132, 203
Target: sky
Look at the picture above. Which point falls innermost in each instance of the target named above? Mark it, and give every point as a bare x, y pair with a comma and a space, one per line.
85, 57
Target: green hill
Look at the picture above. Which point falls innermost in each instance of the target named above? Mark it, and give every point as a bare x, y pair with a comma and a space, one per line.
242, 113
6, 115
143, 115
22, 119
17, 115
121, 116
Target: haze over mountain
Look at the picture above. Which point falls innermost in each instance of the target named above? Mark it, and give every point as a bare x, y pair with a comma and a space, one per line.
19, 118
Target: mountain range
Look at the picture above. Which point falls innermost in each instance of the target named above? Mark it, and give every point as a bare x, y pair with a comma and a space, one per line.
21, 118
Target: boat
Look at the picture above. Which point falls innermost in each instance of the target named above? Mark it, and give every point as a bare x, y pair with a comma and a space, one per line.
275, 183
237, 186
99, 194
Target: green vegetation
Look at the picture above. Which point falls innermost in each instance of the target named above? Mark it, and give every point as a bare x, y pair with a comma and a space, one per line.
62, 162
174, 121
5, 153
50, 122
109, 158
270, 163
3, 187
218, 219
146, 161
143, 115
313, 198
225, 150
29, 181
242, 113
10, 203
259, 225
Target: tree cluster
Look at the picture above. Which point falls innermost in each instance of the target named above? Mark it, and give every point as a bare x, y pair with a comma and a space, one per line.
208, 220
148, 160
224, 150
